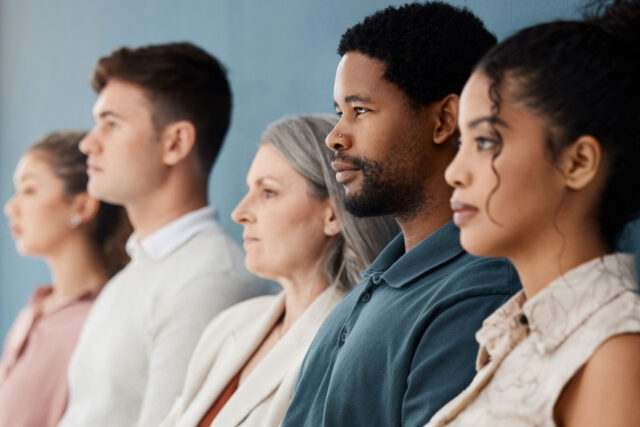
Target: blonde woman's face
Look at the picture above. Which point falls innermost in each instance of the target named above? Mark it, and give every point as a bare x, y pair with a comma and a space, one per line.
39, 210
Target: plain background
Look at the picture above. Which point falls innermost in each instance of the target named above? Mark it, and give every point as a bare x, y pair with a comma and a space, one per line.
280, 55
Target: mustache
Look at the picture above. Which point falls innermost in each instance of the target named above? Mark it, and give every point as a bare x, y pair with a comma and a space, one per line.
355, 161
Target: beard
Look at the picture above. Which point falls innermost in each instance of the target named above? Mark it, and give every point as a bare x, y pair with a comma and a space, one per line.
388, 188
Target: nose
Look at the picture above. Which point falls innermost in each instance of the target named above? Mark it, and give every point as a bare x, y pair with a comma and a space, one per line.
10, 207
242, 212
457, 173
338, 139
89, 143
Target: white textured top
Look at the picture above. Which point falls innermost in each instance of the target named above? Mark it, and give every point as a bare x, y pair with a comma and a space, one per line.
529, 350
132, 355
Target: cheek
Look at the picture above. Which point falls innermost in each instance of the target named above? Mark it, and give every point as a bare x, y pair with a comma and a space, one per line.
521, 208
290, 238
44, 226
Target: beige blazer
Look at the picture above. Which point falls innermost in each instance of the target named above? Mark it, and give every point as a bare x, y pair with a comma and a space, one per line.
224, 348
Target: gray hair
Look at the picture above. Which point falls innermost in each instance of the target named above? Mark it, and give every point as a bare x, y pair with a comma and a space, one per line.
301, 140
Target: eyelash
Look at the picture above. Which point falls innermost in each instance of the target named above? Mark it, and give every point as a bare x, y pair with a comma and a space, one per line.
481, 141
357, 110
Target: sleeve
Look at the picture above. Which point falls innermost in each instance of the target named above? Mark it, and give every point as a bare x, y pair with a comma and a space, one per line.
444, 360
177, 324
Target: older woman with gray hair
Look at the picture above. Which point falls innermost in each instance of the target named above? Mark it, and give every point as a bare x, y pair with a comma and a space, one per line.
297, 233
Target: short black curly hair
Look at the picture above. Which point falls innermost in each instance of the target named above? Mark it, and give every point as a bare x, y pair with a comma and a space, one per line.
429, 49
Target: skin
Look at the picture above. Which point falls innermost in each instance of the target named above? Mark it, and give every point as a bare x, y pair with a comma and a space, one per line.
551, 229
39, 213
287, 232
153, 174
377, 124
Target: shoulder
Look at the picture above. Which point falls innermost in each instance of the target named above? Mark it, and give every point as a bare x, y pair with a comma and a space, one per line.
243, 313
240, 315
251, 306
209, 250
607, 388
471, 277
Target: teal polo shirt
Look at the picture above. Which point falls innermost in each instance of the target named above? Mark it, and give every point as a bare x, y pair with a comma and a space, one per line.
402, 343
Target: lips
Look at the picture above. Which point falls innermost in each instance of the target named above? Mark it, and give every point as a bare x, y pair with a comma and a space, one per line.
345, 172
462, 212
249, 239
92, 168
15, 230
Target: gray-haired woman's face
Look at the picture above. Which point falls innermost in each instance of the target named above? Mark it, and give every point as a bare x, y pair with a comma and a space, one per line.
286, 229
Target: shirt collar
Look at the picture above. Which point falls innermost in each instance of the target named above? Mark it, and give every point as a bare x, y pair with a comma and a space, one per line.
555, 312
167, 239
399, 268
41, 292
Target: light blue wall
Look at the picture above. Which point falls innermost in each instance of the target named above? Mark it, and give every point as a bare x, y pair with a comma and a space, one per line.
280, 56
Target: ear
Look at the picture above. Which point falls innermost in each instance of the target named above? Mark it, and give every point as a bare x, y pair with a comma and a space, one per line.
332, 226
580, 162
85, 207
446, 118
178, 141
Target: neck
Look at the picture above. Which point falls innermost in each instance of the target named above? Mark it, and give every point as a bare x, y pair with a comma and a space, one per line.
432, 216
299, 293
553, 255
76, 268
165, 205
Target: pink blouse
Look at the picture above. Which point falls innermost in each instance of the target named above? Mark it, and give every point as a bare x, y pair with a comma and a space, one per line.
33, 367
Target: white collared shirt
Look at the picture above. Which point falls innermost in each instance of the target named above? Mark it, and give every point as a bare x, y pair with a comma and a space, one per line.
132, 355
162, 242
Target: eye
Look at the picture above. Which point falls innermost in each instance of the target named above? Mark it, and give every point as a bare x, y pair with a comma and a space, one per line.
112, 125
457, 142
485, 144
360, 110
268, 193
338, 113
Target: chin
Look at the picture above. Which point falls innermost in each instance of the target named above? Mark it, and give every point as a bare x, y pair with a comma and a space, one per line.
474, 245
25, 250
252, 266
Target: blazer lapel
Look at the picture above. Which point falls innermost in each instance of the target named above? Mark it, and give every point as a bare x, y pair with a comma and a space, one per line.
287, 354
233, 355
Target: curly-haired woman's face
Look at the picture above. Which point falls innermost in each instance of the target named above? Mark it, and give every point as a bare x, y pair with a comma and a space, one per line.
506, 192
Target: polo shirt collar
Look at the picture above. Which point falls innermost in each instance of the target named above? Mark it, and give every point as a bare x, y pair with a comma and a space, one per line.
167, 239
399, 268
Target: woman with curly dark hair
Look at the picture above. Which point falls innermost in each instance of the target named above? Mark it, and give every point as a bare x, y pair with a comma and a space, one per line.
547, 176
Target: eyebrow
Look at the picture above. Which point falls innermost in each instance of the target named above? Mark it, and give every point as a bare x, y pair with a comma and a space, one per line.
260, 181
350, 99
109, 113
25, 177
490, 119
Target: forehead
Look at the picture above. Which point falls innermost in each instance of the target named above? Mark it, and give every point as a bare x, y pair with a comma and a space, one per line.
474, 99
122, 98
32, 165
359, 74
269, 162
